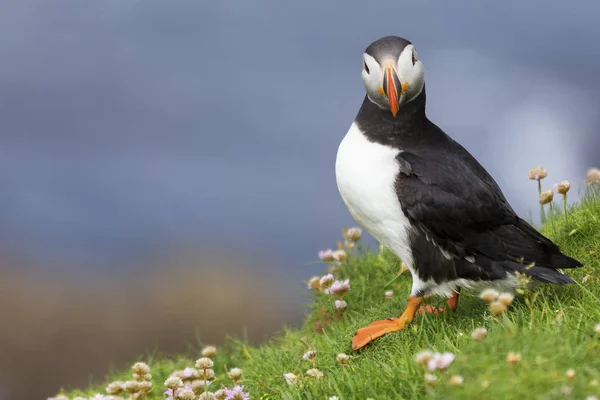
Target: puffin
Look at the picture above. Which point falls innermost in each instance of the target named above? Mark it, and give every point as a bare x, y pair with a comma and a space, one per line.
423, 196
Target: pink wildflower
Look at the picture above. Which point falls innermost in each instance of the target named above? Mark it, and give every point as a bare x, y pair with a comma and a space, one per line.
190, 373
237, 393
538, 173
341, 305
339, 256
339, 288
354, 233
221, 394
326, 255
440, 361
326, 280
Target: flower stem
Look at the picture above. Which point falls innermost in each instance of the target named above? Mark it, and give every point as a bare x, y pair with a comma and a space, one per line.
565, 208
542, 212
333, 309
552, 219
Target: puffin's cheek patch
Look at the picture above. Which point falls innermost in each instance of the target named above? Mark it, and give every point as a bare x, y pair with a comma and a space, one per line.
404, 87
380, 91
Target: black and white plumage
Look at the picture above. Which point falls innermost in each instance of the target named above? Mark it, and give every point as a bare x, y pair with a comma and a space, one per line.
423, 196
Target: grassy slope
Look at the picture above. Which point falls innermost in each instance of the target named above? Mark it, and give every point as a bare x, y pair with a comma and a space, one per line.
552, 327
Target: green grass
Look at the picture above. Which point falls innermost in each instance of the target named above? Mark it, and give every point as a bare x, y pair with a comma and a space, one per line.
552, 327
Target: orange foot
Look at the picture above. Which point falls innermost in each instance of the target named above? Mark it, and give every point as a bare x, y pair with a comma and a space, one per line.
430, 310
452, 305
379, 328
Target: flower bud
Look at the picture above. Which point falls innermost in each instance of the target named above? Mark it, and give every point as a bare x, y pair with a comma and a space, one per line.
489, 295
314, 283
593, 176
497, 308
513, 358
209, 351
538, 173
546, 197
479, 334
354, 233
562, 187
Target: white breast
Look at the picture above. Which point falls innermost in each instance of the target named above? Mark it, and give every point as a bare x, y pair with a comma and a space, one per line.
365, 173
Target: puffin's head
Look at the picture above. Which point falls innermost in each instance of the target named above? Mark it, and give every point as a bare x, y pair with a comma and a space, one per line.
392, 73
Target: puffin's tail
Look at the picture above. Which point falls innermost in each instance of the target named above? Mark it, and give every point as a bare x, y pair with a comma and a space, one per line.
545, 258
542, 274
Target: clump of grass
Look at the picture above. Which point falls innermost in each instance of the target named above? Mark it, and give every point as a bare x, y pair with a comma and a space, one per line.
546, 345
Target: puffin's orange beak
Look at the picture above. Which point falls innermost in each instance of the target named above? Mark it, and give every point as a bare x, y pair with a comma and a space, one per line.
391, 84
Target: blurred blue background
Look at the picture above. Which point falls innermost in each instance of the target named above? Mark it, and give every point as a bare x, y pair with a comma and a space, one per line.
137, 134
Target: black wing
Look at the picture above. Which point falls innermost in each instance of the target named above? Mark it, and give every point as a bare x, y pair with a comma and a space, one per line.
450, 198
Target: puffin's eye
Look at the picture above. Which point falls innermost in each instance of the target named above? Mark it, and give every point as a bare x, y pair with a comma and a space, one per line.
414, 56
366, 68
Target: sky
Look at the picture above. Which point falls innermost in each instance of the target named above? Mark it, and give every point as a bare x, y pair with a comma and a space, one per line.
127, 127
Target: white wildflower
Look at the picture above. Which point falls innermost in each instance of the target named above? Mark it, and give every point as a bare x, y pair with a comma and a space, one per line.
140, 368
326, 281
570, 374
290, 378
132, 386
204, 363
200, 385
342, 358
538, 173
339, 255
506, 298
440, 362
145, 386
479, 334
173, 383
456, 380
314, 373
314, 283
354, 233
209, 351
115, 388
235, 374
186, 394
430, 379
341, 305
497, 307
513, 358
489, 295
423, 357
310, 355
208, 374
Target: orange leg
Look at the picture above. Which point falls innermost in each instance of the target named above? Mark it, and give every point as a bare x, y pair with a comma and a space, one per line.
379, 328
453, 300
452, 305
